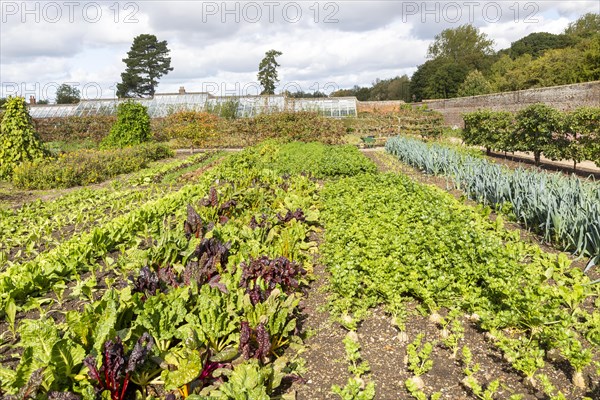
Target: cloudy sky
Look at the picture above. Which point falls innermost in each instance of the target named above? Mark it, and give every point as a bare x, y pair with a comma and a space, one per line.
216, 46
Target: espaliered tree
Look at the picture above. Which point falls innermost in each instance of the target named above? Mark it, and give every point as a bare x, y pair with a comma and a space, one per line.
535, 128
19, 141
147, 61
580, 137
490, 129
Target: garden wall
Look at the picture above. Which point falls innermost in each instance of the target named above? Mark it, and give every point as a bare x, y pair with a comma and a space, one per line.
379, 106
566, 97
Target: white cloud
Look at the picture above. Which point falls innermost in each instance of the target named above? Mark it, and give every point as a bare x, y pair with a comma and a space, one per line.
362, 41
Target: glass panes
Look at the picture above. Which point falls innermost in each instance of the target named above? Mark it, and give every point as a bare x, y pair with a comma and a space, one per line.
164, 104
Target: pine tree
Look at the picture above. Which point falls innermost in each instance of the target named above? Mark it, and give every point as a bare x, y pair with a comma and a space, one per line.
267, 71
147, 62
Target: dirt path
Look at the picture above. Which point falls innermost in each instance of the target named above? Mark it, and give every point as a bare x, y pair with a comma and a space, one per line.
324, 353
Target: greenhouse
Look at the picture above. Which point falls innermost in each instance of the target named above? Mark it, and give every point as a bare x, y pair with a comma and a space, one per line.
162, 105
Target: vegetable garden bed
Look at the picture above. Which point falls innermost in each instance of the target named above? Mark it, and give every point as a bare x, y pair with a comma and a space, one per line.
199, 291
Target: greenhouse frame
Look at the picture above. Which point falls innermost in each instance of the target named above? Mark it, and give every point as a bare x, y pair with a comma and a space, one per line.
162, 105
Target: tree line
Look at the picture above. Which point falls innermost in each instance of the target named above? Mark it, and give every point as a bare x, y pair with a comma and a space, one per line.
461, 62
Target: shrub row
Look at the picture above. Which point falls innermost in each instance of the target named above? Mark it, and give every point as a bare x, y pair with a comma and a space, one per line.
539, 129
93, 128
86, 166
425, 123
203, 129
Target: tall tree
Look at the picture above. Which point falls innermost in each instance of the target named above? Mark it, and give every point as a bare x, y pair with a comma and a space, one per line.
586, 26
147, 61
267, 71
437, 79
507, 74
464, 44
67, 94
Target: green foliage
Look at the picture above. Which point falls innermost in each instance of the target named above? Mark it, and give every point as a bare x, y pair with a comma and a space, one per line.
267, 71
413, 388
162, 316
535, 44
355, 389
147, 61
419, 361
132, 126
453, 54
248, 381
452, 332
85, 167
66, 94
389, 239
586, 26
464, 43
191, 128
195, 324
320, 161
578, 138
397, 88
356, 366
75, 129
474, 84
561, 136
490, 129
535, 127
19, 141
563, 210
438, 78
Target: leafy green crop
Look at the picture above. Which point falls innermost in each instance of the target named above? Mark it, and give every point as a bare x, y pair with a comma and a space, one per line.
564, 210
389, 240
132, 126
195, 327
18, 140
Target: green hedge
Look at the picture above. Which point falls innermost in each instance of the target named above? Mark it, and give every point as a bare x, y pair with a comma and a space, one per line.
573, 135
86, 166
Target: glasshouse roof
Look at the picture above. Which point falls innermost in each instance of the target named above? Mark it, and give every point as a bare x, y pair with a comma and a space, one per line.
162, 105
